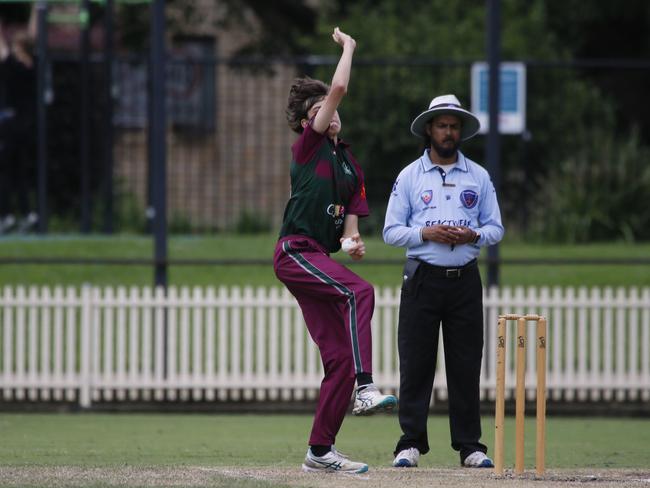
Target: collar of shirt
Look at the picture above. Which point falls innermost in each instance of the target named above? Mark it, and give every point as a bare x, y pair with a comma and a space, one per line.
339, 142
427, 164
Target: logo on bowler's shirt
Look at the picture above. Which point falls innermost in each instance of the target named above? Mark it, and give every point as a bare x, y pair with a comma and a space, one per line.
469, 198
336, 210
426, 196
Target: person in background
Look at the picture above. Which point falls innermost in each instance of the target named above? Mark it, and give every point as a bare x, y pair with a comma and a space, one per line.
17, 129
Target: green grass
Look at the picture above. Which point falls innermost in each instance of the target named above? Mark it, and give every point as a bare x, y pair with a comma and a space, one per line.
260, 247
90, 439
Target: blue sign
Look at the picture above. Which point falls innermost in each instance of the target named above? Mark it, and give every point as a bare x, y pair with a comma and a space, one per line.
512, 97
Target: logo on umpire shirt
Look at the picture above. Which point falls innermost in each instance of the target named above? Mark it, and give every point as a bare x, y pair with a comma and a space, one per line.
426, 196
469, 198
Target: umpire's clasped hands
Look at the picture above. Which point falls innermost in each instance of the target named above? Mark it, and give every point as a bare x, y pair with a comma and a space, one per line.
448, 234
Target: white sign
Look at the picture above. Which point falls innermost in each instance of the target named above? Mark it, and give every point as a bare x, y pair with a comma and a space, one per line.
512, 97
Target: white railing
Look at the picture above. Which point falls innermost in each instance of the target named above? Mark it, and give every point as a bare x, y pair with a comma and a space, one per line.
104, 344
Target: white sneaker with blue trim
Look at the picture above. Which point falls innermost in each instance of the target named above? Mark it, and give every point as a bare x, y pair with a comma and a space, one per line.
407, 458
478, 459
369, 400
332, 462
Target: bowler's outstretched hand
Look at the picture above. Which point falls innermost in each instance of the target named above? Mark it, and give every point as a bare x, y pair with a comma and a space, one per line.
341, 38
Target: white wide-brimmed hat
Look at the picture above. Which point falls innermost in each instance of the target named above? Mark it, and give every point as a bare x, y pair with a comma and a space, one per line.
447, 104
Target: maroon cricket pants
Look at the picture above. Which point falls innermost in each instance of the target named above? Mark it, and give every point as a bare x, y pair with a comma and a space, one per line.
337, 306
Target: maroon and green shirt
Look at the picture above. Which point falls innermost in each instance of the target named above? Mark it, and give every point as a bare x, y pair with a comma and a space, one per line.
326, 184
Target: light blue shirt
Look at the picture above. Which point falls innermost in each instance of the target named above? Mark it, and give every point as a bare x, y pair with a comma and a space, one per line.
419, 199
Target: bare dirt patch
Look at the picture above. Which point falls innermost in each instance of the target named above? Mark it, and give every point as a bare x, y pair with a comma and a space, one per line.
452, 477
201, 476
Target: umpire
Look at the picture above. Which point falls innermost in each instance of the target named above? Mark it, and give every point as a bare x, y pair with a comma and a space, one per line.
442, 209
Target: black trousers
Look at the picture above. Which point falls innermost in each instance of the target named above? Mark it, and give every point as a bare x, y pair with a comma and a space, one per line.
432, 296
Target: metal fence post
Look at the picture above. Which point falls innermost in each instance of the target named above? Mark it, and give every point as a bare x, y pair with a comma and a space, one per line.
42, 99
493, 137
85, 123
158, 141
109, 12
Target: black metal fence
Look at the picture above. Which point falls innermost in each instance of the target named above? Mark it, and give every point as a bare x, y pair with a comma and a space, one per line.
228, 144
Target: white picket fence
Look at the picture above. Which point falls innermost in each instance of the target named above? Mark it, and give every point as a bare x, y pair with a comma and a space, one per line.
243, 344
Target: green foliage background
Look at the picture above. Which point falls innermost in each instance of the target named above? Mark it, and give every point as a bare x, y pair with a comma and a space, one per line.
576, 176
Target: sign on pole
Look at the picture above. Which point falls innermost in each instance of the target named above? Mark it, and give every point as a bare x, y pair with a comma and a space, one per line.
512, 110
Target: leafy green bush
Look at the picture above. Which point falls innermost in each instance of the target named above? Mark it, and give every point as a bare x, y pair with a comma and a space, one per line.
398, 70
130, 216
598, 194
252, 223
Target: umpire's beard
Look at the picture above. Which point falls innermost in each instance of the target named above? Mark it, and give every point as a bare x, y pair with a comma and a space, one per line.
445, 152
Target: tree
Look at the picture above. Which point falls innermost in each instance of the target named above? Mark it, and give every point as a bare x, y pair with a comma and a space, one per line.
432, 45
274, 27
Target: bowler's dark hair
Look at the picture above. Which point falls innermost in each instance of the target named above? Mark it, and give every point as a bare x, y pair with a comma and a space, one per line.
304, 93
